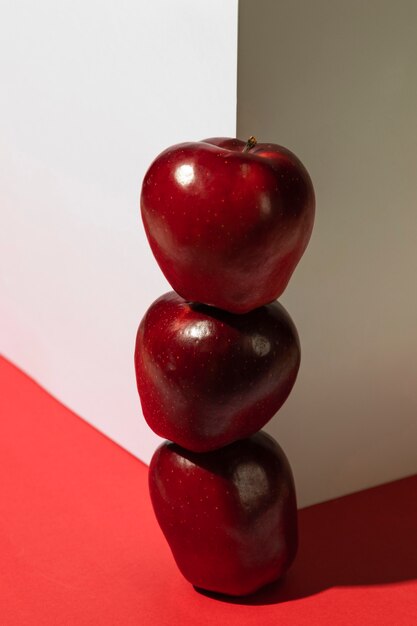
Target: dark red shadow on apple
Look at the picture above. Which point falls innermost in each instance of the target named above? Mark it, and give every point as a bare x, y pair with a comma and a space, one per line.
367, 538
229, 515
207, 377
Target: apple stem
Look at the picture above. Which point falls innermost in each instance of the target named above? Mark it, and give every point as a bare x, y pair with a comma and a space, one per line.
251, 143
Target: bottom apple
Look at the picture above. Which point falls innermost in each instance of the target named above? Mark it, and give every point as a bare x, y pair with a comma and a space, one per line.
229, 515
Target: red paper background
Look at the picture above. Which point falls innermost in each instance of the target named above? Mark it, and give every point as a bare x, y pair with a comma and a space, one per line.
79, 543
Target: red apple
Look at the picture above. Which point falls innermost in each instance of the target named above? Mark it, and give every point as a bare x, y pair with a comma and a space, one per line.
207, 377
228, 221
230, 515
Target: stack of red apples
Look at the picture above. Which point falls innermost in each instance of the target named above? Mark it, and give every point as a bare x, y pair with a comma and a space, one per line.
228, 222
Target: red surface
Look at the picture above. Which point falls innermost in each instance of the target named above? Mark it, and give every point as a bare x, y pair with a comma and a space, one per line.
79, 543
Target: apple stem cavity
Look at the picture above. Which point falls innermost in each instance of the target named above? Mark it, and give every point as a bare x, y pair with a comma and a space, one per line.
251, 143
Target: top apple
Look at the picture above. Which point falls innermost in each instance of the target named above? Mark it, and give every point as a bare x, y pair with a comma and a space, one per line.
228, 221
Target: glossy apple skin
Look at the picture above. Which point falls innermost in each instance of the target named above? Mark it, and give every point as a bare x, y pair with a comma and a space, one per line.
207, 377
229, 515
228, 227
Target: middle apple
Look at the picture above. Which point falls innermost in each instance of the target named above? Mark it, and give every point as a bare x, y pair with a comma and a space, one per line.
207, 377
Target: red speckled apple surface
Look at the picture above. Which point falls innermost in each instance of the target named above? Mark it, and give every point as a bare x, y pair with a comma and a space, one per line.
228, 221
207, 377
229, 515
80, 545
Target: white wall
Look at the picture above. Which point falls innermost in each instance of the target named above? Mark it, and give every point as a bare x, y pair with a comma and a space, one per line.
336, 82
91, 92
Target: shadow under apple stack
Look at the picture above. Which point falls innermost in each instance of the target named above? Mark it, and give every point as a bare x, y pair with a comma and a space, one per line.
227, 221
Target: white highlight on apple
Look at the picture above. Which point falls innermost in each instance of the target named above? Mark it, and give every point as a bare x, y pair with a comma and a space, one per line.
265, 208
184, 174
252, 484
199, 330
261, 346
